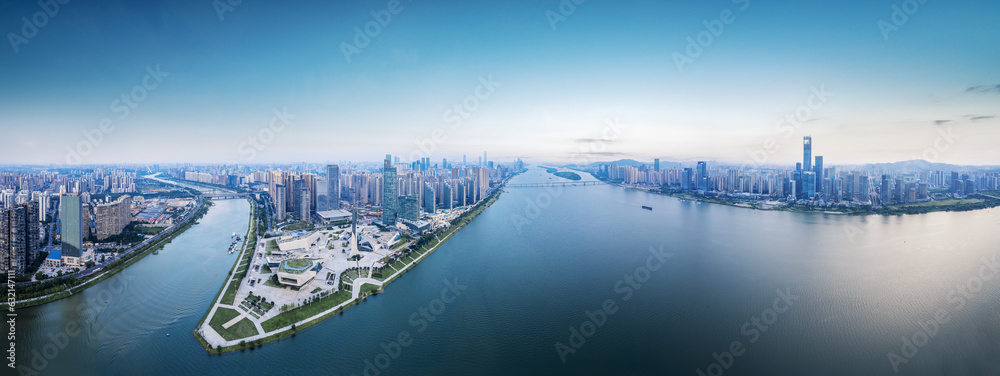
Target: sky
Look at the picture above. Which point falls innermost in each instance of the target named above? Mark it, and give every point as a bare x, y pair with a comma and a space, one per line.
230, 81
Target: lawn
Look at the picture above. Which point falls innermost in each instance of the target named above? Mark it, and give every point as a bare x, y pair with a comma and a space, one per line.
230, 296
306, 311
368, 288
272, 245
242, 329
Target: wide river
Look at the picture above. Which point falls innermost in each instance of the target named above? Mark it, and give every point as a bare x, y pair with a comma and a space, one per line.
727, 291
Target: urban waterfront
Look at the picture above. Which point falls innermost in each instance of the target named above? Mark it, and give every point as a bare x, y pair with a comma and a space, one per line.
540, 261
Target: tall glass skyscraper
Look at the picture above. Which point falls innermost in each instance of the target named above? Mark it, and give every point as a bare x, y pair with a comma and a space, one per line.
390, 193
446, 199
702, 177
71, 222
428, 199
818, 170
809, 184
807, 153
333, 187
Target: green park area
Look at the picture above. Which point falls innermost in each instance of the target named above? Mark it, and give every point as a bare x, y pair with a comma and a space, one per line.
242, 329
305, 311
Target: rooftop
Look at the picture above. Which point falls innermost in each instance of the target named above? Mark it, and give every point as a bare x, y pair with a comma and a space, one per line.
295, 266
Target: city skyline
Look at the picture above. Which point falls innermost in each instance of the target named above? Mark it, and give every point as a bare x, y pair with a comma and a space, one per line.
212, 80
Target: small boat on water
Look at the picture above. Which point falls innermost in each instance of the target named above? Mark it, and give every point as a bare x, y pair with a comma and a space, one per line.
647, 207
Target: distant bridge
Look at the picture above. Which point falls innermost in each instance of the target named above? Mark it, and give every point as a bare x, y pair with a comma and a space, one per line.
224, 195
554, 184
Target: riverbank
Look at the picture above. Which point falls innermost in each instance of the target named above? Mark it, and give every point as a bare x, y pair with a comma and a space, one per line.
116, 266
289, 323
974, 202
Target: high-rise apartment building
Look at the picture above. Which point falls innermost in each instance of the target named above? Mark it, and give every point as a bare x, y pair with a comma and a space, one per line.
429, 199
112, 217
19, 232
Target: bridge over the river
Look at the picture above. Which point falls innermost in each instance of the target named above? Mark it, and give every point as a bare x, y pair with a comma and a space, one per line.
224, 195
554, 184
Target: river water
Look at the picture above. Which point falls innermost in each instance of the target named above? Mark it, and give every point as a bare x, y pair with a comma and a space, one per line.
686, 288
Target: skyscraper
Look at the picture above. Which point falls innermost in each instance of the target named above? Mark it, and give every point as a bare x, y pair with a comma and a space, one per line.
279, 202
807, 151
864, 189
18, 237
446, 199
409, 207
304, 213
309, 182
113, 217
809, 184
656, 165
818, 170
390, 194
428, 199
702, 177
884, 192
71, 223
461, 194
333, 187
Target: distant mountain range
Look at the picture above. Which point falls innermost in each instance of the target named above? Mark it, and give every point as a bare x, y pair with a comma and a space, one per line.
910, 165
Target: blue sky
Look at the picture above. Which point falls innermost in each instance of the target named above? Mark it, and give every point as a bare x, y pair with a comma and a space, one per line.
556, 87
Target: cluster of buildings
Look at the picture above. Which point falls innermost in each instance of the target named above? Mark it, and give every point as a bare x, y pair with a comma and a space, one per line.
403, 191
809, 181
29, 200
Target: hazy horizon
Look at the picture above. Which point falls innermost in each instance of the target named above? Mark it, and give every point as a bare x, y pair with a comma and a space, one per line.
545, 82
